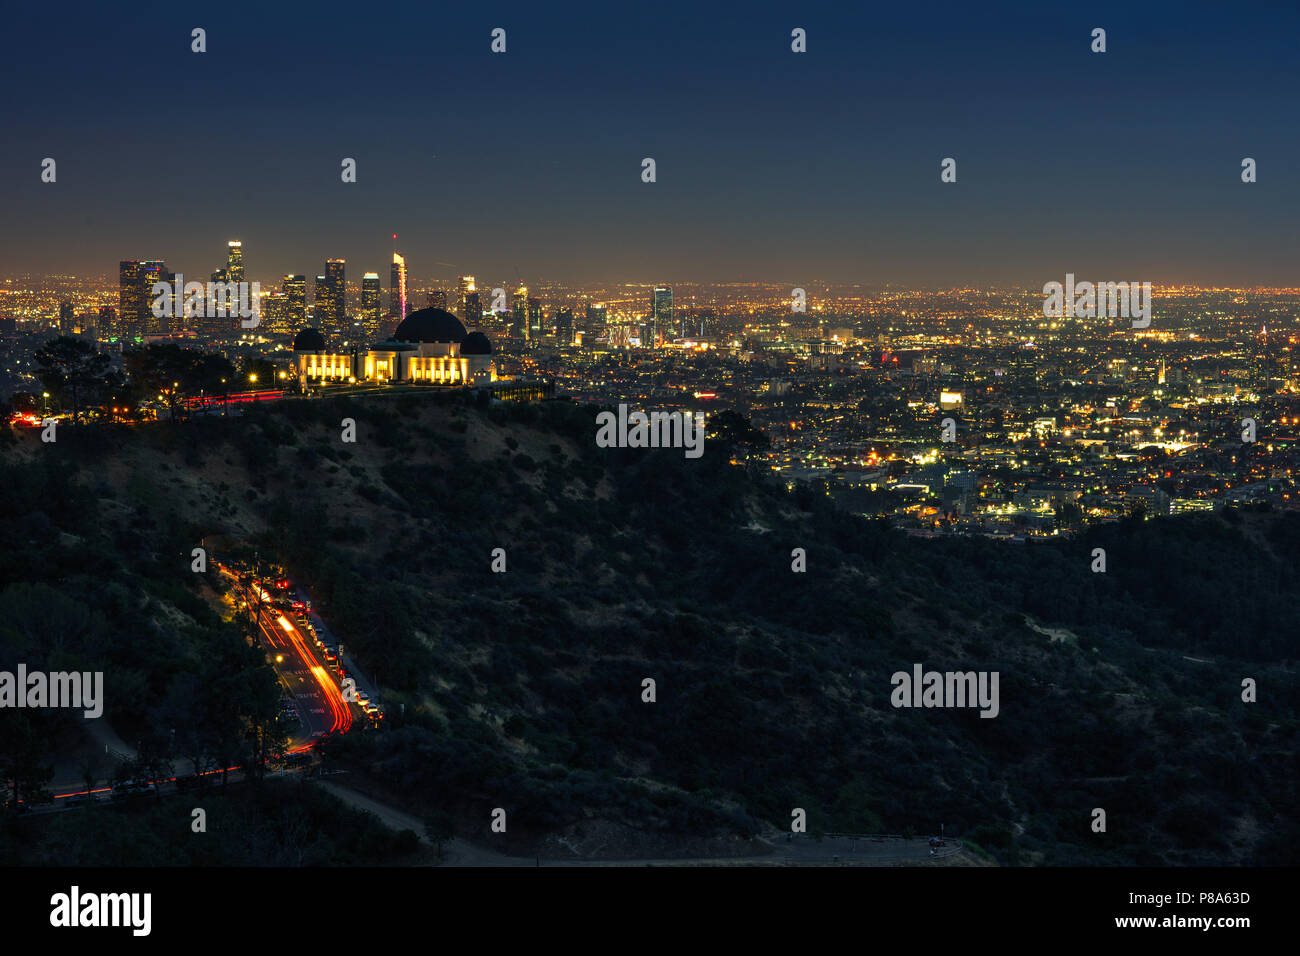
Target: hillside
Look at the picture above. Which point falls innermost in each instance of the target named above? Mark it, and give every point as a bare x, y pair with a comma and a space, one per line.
522, 689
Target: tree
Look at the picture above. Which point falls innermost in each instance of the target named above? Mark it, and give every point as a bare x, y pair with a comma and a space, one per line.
89, 767
439, 828
158, 369
211, 375
186, 709
173, 372
22, 765
71, 365
265, 730
736, 434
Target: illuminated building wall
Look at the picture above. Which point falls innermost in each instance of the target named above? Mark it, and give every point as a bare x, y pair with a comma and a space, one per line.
661, 315
295, 293
371, 310
235, 260
464, 289
534, 318
397, 305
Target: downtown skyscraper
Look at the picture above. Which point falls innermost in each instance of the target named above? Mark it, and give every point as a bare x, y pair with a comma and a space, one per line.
132, 299
136, 278
235, 261
519, 313
294, 288
661, 316
331, 299
397, 308
465, 289
371, 309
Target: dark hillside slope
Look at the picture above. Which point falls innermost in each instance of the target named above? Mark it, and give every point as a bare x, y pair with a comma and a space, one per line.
523, 690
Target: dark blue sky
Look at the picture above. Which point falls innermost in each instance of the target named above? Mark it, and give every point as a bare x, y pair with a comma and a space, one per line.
771, 165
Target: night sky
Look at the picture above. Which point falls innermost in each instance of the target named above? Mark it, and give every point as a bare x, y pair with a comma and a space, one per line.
771, 165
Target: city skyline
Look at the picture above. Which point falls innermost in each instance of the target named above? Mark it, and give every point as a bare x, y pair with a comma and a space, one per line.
821, 164
649, 436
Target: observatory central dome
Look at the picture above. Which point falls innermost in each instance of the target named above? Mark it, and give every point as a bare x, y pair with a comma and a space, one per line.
430, 325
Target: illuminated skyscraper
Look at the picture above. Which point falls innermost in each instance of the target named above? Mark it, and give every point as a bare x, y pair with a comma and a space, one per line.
534, 318
464, 288
436, 299
153, 271
334, 277
321, 308
67, 318
397, 288
371, 310
473, 310
235, 260
275, 313
217, 325
564, 326
295, 294
661, 315
106, 326
519, 313
133, 299
370, 292
331, 299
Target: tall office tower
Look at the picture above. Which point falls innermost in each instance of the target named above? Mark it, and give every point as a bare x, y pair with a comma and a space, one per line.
67, 318
331, 299
322, 310
534, 318
235, 260
473, 316
295, 294
519, 312
564, 326
597, 316
218, 324
153, 271
106, 326
275, 314
465, 286
370, 292
436, 299
371, 310
397, 288
128, 289
337, 284
661, 315
132, 298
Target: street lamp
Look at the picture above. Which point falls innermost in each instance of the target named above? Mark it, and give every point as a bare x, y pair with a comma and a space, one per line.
47, 403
